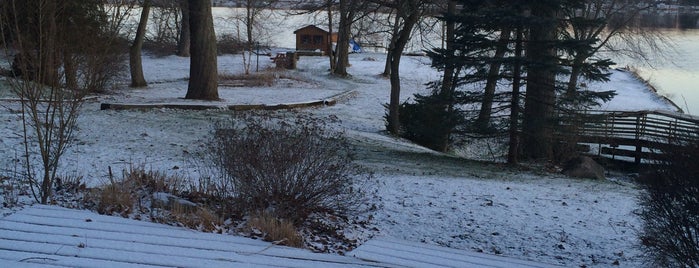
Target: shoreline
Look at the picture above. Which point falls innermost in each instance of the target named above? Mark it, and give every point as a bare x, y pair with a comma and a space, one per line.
634, 72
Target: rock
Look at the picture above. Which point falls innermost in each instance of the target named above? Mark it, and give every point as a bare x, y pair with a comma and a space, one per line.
584, 167
171, 202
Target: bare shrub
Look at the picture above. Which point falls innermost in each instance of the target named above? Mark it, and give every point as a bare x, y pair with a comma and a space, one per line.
9, 191
101, 65
115, 198
126, 195
670, 209
153, 181
55, 67
229, 44
263, 79
201, 219
164, 33
275, 230
286, 169
160, 48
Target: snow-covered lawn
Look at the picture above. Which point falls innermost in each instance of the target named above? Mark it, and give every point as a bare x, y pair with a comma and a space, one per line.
422, 196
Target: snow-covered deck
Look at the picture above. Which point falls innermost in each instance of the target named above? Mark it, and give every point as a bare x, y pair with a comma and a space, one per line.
50, 236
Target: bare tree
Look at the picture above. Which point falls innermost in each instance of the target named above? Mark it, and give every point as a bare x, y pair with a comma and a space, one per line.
203, 70
331, 55
408, 13
118, 12
184, 42
349, 11
135, 65
255, 13
39, 29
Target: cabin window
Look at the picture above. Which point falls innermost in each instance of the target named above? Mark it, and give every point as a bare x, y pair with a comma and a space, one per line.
317, 39
305, 39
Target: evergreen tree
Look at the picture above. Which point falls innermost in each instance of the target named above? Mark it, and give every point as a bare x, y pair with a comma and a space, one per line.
482, 52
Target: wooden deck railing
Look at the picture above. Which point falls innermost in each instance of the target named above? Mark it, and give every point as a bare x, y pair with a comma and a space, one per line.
637, 134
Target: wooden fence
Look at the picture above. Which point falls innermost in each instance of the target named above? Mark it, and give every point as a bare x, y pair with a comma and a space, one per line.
637, 135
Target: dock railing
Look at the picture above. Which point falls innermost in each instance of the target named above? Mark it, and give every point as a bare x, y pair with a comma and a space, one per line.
637, 135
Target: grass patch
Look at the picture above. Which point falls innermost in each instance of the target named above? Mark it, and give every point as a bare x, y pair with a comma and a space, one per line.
277, 231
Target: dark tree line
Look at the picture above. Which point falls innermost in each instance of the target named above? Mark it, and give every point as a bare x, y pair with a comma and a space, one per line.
59, 28
524, 44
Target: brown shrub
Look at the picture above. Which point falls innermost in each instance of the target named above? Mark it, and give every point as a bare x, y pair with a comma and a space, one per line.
670, 209
275, 230
115, 198
261, 79
288, 169
201, 219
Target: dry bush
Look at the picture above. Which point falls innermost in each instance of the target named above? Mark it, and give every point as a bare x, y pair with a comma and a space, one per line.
114, 198
229, 44
287, 169
201, 219
153, 181
262, 79
160, 48
123, 195
9, 194
670, 209
56, 66
69, 183
275, 230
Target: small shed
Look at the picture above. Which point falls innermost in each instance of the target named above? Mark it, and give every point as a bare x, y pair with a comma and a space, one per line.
311, 38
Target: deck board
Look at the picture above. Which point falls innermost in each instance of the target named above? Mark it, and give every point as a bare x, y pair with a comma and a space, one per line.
51, 236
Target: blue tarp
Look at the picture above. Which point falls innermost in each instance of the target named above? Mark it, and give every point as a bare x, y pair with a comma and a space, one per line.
355, 47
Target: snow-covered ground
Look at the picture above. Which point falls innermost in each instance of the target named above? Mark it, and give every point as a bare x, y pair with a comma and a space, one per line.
422, 196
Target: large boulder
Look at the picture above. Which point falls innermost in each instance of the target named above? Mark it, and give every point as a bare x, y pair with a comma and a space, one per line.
584, 167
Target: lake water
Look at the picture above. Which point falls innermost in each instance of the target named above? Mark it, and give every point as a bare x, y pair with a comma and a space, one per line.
676, 74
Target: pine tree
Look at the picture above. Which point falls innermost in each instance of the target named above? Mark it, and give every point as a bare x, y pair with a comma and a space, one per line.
483, 53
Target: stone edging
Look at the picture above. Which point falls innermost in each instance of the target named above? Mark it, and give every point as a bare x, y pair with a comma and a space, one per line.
332, 100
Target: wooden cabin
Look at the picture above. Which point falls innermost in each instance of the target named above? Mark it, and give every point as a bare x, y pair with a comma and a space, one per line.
311, 38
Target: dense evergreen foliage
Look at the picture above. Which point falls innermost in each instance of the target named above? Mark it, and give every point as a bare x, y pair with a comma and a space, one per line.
481, 55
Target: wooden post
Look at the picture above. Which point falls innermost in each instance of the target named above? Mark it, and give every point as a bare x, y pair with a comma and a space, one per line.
639, 151
291, 58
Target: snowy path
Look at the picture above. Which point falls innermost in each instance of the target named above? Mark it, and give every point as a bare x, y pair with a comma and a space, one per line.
49, 236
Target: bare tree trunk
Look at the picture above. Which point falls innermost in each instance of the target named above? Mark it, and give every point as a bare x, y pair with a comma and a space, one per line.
448, 84
253, 11
71, 71
412, 15
483, 120
447, 79
49, 58
183, 44
513, 150
135, 64
389, 53
203, 70
331, 53
575, 72
541, 89
343, 32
